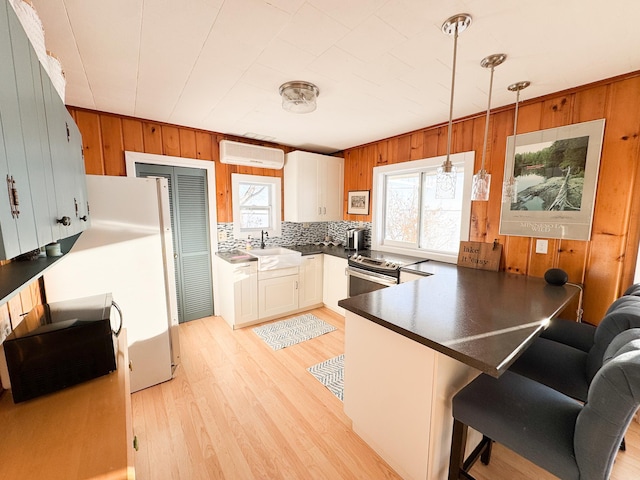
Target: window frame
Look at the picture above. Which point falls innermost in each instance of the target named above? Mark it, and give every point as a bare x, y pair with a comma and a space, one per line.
275, 226
464, 160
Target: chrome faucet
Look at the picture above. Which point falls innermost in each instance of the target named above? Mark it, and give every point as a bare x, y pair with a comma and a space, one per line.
264, 234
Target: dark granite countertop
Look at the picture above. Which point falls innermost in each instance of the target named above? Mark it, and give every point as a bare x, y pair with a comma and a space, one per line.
483, 319
336, 251
16, 275
236, 256
430, 267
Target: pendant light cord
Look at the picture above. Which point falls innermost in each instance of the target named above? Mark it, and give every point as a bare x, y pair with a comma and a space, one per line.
515, 123
453, 83
486, 124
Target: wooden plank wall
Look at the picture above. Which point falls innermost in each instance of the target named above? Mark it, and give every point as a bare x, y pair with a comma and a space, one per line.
106, 136
606, 263
23, 302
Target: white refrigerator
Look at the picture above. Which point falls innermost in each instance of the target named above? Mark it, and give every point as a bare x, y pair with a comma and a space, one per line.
128, 251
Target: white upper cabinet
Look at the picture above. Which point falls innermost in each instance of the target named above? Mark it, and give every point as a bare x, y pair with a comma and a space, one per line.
313, 187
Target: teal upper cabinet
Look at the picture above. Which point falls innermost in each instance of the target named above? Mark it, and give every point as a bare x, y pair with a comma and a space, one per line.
41, 152
68, 165
76, 158
16, 175
36, 150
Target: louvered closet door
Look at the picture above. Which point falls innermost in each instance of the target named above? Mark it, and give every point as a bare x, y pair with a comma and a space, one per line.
191, 239
193, 224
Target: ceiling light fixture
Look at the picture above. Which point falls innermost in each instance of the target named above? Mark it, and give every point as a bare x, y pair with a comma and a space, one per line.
510, 185
299, 96
446, 174
482, 179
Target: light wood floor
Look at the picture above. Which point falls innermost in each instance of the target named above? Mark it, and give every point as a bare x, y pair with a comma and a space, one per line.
238, 410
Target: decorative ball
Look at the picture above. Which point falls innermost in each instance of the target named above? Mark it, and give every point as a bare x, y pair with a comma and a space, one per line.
556, 276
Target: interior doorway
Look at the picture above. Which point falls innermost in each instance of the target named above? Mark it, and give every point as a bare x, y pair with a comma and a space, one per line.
193, 222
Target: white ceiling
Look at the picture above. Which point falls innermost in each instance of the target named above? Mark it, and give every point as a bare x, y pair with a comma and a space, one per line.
383, 67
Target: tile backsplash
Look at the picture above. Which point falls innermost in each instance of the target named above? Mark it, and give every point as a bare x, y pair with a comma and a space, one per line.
294, 234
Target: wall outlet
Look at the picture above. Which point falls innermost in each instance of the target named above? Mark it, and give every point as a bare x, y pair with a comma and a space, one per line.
542, 246
305, 224
222, 236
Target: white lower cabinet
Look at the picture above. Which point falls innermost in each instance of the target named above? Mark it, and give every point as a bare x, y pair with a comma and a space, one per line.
245, 293
248, 296
238, 286
311, 274
334, 282
277, 292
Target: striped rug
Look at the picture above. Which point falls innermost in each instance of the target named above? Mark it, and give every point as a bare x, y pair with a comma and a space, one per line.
293, 330
331, 374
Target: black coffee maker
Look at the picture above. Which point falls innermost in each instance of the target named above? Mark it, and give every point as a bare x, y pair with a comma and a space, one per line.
355, 239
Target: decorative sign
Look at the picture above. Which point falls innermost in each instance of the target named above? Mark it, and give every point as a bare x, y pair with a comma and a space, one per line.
479, 255
556, 172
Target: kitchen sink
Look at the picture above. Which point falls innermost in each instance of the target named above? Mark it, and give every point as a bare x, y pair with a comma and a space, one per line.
275, 257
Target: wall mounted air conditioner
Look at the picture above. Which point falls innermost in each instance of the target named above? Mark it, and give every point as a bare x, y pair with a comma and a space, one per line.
236, 153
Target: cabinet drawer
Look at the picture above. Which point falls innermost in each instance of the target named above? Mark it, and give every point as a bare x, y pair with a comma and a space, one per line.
280, 272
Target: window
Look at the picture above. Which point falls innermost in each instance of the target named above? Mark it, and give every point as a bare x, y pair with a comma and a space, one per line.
256, 205
407, 216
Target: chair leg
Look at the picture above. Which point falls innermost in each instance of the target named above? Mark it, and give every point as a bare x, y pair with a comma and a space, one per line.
458, 443
486, 454
482, 452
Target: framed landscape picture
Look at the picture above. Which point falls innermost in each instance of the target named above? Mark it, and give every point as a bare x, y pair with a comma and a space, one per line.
556, 173
358, 202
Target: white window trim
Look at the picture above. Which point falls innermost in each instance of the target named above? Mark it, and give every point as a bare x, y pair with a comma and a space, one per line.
465, 159
276, 183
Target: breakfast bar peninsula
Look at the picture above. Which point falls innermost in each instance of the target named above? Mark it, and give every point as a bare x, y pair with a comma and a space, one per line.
411, 347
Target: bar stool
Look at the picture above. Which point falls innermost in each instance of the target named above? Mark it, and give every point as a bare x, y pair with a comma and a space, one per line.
571, 440
580, 335
568, 369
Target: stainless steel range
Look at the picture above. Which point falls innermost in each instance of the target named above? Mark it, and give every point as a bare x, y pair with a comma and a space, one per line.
373, 270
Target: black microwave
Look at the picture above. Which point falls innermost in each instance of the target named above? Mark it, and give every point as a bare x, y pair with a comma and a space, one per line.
61, 344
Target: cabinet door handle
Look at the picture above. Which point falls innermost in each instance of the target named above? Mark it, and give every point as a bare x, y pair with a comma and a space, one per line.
319, 210
135, 443
296, 285
13, 197
324, 210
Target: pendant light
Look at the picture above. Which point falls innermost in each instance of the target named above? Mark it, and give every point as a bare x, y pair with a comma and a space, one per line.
446, 174
482, 179
510, 185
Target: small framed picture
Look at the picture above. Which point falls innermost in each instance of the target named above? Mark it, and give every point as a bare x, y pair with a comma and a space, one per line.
358, 202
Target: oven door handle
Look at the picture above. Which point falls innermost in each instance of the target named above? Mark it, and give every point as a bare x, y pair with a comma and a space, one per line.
371, 276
